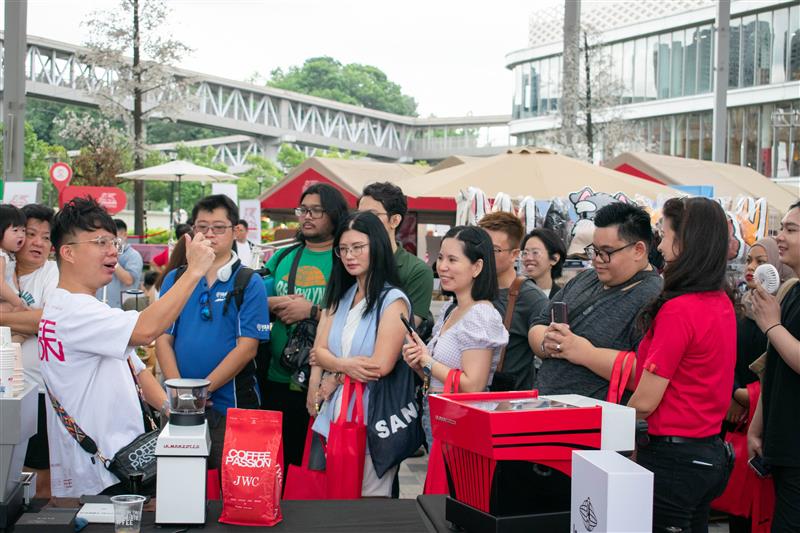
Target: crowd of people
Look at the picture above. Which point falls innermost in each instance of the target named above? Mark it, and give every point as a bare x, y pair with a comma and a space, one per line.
705, 361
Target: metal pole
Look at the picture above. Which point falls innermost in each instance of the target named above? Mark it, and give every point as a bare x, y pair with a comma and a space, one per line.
15, 42
570, 62
722, 44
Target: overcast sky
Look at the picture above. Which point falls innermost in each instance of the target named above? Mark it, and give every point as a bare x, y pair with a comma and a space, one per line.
447, 54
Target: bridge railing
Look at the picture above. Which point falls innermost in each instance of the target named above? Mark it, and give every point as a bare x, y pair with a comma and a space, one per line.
59, 70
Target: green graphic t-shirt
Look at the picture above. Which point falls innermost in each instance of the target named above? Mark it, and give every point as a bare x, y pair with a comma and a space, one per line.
312, 278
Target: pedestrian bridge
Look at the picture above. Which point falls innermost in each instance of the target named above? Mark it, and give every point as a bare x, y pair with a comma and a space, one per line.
269, 117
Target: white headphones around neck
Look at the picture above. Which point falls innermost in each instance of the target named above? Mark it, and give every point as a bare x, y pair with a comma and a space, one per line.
225, 271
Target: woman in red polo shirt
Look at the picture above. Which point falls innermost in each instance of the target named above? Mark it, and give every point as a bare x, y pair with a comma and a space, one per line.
685, 366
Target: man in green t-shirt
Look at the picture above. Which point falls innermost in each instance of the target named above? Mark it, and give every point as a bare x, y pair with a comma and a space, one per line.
388, 202
321, 208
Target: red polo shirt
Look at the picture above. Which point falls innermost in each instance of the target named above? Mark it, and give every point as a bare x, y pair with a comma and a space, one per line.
692, 343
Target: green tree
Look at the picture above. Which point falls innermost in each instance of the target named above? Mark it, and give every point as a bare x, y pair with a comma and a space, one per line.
356, 84
39, 155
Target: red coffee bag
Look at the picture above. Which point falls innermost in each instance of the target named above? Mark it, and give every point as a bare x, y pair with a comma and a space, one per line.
252, 468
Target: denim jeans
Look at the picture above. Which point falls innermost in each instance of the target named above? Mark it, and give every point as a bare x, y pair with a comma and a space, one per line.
687, 477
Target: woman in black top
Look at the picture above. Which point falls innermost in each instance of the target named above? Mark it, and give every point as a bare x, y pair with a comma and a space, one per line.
750, 344
774, 433
543, 255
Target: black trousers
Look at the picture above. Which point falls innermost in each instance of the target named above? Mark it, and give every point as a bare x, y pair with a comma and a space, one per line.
687, 477
787, 498
278, 397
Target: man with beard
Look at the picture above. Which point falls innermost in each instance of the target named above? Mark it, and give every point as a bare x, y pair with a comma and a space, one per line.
321, 208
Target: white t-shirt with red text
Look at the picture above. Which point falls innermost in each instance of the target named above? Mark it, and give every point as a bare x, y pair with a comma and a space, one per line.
35, 289
83, 351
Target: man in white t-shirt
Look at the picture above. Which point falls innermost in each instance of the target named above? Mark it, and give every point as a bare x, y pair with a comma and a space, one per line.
86, 348
38, 278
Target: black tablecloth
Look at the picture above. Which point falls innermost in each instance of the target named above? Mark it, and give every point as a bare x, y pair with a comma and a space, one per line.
367, 515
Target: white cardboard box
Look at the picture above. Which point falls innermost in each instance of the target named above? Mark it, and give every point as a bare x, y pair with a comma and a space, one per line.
610, 494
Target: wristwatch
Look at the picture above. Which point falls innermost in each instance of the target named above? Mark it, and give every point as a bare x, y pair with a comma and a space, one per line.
427, 368
314, 311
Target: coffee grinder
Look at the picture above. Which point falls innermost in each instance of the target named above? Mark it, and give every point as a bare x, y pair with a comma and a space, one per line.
182, 451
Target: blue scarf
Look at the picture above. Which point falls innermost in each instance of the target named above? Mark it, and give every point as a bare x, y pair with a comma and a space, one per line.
363, 344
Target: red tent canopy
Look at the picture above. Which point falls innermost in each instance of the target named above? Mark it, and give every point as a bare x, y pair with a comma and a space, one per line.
350, 177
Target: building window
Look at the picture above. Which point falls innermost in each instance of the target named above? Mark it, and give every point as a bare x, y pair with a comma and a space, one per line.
663, 65
734, 60
764, 40
748, 46
793, 44
651, 64
676, 56
779, 47
705, 59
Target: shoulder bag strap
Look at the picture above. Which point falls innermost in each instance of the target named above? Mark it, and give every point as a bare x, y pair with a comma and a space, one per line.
513, 294
142, 404
84, 441
586, 307
293, 270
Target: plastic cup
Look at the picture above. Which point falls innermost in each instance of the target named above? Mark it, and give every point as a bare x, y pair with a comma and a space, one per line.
7, 382
127, 513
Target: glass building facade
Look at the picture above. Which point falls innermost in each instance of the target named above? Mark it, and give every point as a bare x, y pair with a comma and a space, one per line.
764, 50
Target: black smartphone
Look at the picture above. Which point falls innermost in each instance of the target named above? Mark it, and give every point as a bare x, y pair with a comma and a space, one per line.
761, 469
407, 324
558, 313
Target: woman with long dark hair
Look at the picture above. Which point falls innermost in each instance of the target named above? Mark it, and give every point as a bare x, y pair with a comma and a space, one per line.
684, 367
360, 333
469, 335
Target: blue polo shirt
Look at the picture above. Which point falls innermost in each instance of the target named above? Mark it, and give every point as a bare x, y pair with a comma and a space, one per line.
201, 344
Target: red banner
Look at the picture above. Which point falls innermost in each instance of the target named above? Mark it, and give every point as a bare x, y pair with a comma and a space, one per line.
112, 199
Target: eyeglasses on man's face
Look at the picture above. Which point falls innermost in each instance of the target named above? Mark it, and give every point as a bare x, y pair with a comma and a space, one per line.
104, 242
217, 229
498, 250
315, 212
604, 256
354, 251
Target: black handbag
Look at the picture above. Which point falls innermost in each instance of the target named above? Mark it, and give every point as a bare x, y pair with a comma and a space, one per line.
135, 463
394, 421
297, 352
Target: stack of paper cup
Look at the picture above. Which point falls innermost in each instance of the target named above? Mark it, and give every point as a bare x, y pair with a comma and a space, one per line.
8, 357
19, 375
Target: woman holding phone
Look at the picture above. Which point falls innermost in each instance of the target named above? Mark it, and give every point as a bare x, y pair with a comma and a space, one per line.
469, 335
360, 333
684, 367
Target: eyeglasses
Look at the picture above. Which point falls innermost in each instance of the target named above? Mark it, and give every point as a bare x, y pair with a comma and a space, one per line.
501, 250
532, 253
104, 243
205, 302
315, 212
602, 255
218, 229
355, 251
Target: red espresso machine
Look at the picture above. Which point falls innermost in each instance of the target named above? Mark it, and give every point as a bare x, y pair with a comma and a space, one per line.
508, 455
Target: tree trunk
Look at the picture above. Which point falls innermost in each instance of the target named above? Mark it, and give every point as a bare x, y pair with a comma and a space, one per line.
589, 127
138, 127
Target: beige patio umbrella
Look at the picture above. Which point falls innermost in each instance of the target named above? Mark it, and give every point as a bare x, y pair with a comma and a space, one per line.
529, 171
176, 172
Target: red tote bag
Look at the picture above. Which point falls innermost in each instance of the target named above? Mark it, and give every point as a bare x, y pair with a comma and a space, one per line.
747, 494
436, 478
347, 446
303, 483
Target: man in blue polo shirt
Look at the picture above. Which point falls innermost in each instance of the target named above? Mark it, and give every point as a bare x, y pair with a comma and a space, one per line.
213, 338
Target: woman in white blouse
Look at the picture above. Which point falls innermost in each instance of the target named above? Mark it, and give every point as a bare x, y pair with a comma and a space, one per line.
470, 334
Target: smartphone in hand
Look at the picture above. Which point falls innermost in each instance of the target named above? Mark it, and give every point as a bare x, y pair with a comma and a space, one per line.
761, 469
407, 324
558, 313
